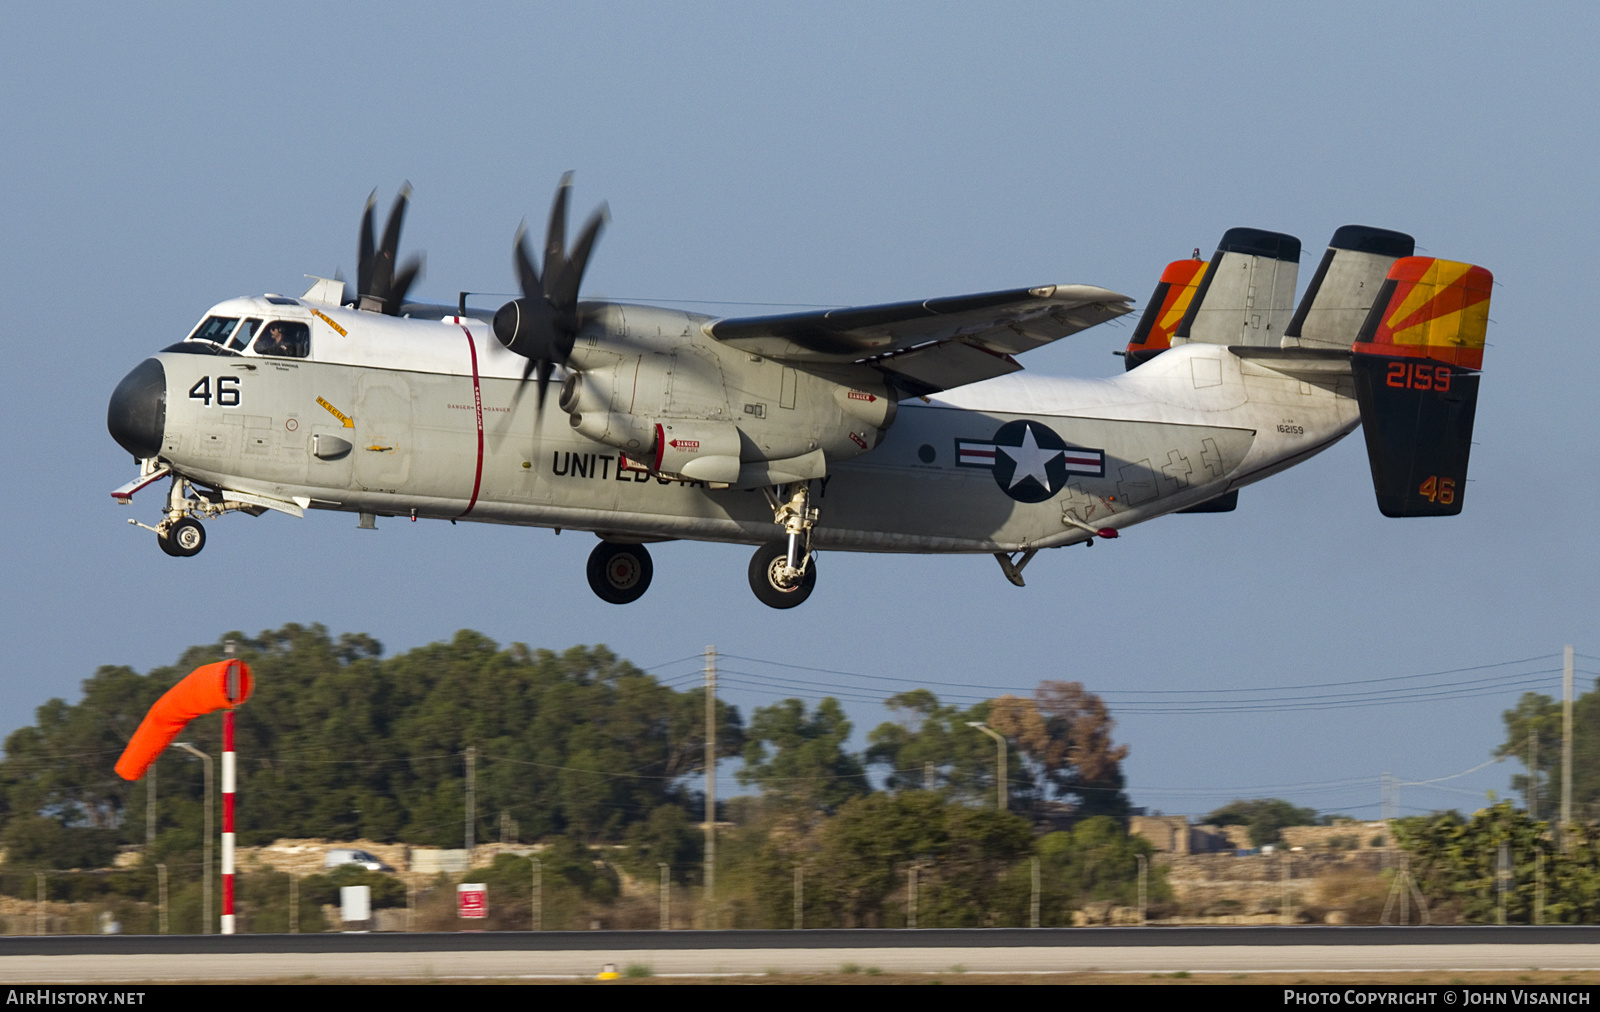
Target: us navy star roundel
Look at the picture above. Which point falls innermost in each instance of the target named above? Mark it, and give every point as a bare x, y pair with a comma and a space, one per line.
1029, 462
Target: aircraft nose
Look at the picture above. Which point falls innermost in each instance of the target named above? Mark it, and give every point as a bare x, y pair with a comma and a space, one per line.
137, 417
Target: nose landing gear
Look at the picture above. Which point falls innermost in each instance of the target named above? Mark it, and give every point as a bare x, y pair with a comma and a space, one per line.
179, 534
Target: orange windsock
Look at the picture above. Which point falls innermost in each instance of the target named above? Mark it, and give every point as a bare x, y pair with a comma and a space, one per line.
203, 690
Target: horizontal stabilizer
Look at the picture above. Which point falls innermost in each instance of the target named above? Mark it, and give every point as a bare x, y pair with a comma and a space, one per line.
1247, 294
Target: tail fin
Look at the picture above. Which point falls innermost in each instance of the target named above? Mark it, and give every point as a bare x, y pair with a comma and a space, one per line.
1415, 362
1341, 293
1247, 294
1165, 310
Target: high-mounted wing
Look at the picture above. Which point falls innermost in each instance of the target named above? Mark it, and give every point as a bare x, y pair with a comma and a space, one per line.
928, 346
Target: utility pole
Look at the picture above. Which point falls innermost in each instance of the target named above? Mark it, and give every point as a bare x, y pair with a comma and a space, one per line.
1502, 877
666, 895
472, 799
538, 894
205, 850
1566, 745
1287, 910
911, 896
1033, 904
711, 787
1533, 774
1144, 871
1000, 762
150, 809
799, 896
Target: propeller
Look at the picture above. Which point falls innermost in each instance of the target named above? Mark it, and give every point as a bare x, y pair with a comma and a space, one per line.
379, 287
543, 324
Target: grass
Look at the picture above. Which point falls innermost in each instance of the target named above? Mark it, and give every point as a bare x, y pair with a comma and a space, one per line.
638, 970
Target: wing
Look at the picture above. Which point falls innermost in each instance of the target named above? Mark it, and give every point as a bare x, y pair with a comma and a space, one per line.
928, 346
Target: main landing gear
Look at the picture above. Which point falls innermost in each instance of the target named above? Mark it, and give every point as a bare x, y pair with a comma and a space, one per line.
783, 572
619, 573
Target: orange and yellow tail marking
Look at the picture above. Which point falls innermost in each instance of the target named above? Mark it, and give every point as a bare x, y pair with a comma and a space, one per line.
1439, 309
1179, 282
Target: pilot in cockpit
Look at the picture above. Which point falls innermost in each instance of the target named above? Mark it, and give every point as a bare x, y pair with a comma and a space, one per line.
273, 342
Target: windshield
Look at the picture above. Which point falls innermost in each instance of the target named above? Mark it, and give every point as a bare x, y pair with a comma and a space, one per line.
214, 329
241, 339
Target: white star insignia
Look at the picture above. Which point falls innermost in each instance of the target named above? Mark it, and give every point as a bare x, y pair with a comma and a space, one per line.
1030, 460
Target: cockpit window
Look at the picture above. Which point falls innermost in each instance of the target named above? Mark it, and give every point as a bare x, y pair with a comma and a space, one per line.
215, 329
246, 332
284, 338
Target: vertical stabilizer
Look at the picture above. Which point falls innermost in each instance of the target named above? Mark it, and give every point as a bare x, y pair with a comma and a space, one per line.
1415, 363
1247, 294
1165, 310
1342, 291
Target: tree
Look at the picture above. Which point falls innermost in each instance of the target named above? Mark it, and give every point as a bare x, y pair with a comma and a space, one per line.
932, 738
800, 758
859, 871
1097, 861
1533, 735
1264, 817
1064, 733
339, 742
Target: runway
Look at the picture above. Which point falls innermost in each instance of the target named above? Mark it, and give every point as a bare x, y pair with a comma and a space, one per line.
511, 955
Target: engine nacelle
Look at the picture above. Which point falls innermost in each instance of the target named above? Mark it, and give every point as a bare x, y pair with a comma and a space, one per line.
717, 416
586, 397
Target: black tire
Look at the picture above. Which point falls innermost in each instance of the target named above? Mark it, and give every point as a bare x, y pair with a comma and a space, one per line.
183, 539
762, 570
619, 574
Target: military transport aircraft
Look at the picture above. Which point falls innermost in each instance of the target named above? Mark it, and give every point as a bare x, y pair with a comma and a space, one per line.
892, 428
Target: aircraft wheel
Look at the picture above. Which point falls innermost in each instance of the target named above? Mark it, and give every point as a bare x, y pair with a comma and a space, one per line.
764, 568
619, 574
183, 539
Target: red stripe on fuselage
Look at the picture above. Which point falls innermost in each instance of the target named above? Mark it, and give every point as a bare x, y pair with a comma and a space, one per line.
477, 403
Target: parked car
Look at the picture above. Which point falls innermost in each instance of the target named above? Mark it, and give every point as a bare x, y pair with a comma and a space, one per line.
338, 857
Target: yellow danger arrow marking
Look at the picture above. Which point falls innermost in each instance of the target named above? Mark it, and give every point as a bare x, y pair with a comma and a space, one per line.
349, 422
325, 318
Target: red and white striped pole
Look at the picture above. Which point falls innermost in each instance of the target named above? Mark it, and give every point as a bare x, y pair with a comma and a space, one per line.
233, 687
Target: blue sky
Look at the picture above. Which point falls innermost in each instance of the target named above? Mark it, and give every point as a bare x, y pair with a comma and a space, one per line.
158, 160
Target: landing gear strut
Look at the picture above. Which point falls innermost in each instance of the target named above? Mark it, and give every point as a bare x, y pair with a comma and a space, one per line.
783, 572
619, 574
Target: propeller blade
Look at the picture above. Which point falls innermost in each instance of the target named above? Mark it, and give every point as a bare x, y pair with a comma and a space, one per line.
384, 264
365, 249
555, 242
527, 370
402, 284
527, 273
546, 367
565, 294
